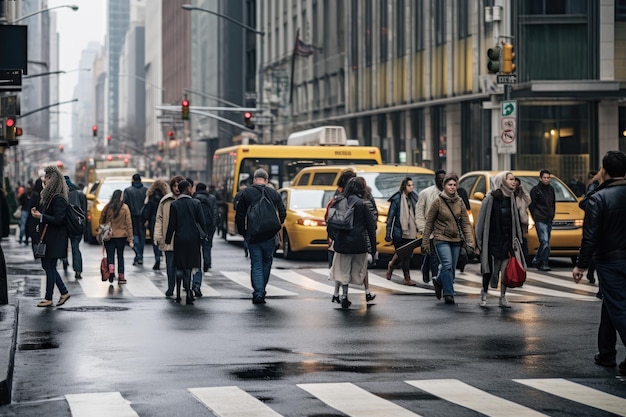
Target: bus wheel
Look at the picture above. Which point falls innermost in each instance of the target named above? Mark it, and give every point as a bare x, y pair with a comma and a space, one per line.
287, 253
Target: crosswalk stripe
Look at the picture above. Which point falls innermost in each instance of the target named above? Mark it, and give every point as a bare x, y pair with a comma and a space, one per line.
308, 283
566, 282
465, 395
578, 393
243, 279
355, 401
100, 404
140, 286
94, 287
232, 402
378, 281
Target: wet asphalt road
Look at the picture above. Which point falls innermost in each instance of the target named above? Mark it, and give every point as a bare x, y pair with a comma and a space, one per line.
152, 350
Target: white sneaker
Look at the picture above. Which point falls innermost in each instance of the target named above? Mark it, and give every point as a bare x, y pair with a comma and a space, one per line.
504, 303
483, 298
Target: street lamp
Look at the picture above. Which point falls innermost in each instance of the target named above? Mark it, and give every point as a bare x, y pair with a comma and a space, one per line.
71, 6
41, 74
189, 7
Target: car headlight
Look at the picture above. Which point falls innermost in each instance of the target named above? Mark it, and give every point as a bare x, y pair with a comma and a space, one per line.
311, 222
382, 219
100, 207
578, 223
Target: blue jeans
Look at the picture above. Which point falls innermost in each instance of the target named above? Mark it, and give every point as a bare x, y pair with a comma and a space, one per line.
612, 277
52, 277
23, 220
544, 230
448, 254
261, 257
139, 236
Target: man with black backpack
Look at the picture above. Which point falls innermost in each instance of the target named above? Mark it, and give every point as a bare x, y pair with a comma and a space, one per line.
259, 216
77, 198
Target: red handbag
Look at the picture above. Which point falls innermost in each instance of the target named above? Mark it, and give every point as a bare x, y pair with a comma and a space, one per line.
104, 267
514, 273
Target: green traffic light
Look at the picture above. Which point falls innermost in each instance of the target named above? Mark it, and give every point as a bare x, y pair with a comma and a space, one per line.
494, 54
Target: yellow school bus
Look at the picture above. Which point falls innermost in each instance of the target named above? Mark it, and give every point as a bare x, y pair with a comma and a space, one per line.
235, 165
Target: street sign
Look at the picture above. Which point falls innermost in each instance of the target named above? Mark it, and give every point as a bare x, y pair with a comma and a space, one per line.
509, 108
507, 141
11, 80
506, 79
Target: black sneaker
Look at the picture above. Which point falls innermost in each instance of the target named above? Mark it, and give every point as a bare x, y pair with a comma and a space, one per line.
591, 279
258, 300
197, 293
606, 362
345, 303
449, 299
78, 275
369, 297
438, 289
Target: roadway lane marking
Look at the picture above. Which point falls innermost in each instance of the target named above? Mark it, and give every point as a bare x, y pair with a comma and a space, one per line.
382, 282
100, 404
578, 393
140, 286
308, 283
460, 393
355, 401
566, 282
243, 279
232, 402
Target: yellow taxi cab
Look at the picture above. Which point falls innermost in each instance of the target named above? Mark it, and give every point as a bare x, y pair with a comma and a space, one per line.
384, 181
304, 228
568, 221
99, 195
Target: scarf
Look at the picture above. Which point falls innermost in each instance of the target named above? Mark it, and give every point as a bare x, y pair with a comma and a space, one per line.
499, 182
407, 218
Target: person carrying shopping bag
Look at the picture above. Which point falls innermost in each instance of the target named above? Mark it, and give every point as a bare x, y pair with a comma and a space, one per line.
117, 213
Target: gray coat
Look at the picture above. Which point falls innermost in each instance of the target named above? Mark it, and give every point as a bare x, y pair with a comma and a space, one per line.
185, 216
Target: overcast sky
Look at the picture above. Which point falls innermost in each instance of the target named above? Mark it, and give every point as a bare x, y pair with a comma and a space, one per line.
76, 30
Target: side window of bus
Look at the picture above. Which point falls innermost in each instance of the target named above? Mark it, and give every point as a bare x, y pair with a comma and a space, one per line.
304, 179
324, 178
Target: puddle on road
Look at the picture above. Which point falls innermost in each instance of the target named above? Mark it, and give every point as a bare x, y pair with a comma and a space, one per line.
90, 309
37, 341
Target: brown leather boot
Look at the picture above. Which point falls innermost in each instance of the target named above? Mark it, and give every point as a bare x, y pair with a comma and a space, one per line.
407, 280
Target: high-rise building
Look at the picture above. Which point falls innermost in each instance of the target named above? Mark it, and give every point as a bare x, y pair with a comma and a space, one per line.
118, 19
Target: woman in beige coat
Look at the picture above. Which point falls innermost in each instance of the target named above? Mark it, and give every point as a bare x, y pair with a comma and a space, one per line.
117, 213
446, 219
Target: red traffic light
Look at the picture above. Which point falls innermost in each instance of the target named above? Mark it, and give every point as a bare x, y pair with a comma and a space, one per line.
185, 103
10, 122
170, 134
108, 138
19, 131
185, 109
94, 129
247, 115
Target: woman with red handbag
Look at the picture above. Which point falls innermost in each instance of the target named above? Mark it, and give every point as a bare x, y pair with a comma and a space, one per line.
497, 228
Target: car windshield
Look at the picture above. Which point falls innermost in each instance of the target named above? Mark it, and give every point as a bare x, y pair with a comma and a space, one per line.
310, 199
562, 193
107, 189
384, 185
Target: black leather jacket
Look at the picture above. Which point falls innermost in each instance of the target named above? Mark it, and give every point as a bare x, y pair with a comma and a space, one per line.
354, 241
605, 225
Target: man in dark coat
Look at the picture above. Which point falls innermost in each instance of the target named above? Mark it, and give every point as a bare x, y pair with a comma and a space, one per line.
186, 224
209, 209
76, 197
261, 246
134, 197
543, 208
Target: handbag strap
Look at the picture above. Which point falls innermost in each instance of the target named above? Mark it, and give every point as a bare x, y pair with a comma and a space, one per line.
458, 224
43, 233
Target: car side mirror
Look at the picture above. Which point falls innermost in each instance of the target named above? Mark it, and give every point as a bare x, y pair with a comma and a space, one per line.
90, 197
479, 196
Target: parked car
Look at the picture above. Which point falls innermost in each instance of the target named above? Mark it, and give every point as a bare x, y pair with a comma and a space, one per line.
304, 228
384, 180
99, 195
568, 221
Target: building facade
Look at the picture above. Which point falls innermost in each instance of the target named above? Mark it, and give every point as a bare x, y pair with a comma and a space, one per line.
118, 19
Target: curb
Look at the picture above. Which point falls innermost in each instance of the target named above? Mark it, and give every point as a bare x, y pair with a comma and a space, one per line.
8, 324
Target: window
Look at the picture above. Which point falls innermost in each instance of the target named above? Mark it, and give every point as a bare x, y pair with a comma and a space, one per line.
551, 7
440, 22
354, 34
384, 27
368, 32
463, 17
620, 10
418, 15
400, 35
341, 30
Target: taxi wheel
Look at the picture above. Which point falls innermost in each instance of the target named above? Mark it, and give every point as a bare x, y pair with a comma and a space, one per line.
287, 253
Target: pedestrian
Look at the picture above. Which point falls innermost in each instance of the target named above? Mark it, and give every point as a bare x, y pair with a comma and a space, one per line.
351, 246
23, 201
542, 207
497, 227
522, 200
186, 227
160, 229
134, 197
370, 203
242, 186
209, 210
604, 228
445, 221
464, 257
344, 177
50, 215
261, 245
76, 197
117, 213
401, 227
593, 181
158, 189
32, 223
424, 201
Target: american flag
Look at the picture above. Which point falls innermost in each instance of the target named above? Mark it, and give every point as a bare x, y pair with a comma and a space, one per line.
303, 49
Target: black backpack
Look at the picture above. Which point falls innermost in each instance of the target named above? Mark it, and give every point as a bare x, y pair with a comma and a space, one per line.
74, 220
262, 217
341, 214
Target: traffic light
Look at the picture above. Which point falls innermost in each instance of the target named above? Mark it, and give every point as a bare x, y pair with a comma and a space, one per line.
94, 130
9, 128
185, 109
508, 56
108, 140
247, 118
494, 54
61, 148
161, 146
170, 135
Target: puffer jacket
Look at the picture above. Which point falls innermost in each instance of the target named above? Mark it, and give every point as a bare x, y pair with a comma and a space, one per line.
394, 228
162, 222
442, 224
354, 241
604, 227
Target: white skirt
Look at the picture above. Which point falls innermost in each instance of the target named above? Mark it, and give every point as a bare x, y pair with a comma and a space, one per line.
349, 268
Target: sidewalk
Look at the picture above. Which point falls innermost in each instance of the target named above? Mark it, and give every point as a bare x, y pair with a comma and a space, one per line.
8, 332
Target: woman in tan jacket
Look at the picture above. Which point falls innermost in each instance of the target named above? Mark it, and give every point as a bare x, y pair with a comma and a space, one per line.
446, 219
118, 215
